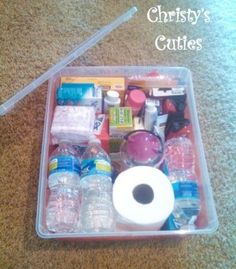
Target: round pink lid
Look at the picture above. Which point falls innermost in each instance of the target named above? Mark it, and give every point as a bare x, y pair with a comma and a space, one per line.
136, 98
143, 148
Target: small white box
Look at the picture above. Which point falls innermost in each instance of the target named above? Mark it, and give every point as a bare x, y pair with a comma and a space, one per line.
92, 98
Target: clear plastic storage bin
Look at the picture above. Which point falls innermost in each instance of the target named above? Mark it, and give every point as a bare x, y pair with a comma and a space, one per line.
207, 221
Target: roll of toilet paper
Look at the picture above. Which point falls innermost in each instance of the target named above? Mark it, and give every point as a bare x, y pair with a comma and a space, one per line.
143, 198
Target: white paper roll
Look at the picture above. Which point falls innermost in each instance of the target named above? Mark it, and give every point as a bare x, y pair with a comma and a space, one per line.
143, 198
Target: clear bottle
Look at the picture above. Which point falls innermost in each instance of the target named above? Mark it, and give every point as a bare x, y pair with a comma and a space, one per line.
97, 213
150, 116
180, 161
62, 211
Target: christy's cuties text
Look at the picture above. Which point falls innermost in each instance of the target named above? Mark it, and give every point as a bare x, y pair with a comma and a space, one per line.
157, 15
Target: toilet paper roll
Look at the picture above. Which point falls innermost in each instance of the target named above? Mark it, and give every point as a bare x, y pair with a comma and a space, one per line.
143, 198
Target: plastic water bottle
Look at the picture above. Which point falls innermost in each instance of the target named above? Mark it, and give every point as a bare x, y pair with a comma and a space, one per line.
97, 213
63, 205
180, 160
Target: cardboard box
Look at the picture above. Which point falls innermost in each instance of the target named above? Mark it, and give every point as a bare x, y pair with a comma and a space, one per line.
105, 83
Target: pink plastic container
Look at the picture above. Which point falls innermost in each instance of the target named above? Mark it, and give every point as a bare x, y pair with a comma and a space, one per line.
142, 148
136, 100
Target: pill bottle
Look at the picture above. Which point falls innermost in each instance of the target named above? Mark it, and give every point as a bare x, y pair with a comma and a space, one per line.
111, 100
135, 100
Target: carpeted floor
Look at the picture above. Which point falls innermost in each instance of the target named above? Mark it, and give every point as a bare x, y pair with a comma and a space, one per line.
33, 36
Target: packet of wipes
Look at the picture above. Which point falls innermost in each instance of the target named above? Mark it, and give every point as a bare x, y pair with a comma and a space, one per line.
73, 124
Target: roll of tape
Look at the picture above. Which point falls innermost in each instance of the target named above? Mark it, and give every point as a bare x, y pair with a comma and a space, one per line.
143, 198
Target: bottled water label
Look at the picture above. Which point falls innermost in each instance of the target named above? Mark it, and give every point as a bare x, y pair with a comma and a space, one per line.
95, 166
185, 190
64, 164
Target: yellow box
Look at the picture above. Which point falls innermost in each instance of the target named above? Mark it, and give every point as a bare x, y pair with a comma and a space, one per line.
106, 83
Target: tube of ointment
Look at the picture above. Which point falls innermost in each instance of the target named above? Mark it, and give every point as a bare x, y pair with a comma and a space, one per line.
159, 126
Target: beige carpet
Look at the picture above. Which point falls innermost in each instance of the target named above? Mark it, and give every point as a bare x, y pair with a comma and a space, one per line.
33, 36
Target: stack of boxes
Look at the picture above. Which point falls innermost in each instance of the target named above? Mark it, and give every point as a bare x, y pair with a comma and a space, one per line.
110, 125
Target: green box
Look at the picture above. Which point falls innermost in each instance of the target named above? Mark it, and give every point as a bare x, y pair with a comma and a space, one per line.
120, 120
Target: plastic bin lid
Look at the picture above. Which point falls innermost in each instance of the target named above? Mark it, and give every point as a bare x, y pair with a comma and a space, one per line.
70, 57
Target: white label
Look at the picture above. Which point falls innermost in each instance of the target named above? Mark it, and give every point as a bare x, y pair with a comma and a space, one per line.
177, 91
162, 92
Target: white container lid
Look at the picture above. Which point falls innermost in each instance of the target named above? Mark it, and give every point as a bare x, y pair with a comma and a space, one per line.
150, 107
113, 97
